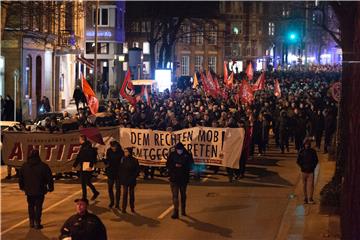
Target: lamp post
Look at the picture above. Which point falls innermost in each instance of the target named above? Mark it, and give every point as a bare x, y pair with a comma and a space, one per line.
96, 43
16, 77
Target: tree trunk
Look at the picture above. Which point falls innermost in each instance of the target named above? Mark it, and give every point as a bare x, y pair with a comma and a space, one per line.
152, 60
350, 127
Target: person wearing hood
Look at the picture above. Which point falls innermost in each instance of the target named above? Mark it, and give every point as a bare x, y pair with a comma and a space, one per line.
86, 159
179, 164
35, 179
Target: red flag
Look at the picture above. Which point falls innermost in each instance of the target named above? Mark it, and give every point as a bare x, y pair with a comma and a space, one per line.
245, 93
260, 83
93, 134
226, 74
277, 90
212, 85
230, 81
249, 72
127, 90
91, 99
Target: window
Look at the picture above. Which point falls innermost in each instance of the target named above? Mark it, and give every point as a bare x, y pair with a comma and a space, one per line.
135, 27
199, 36
145, 26
253, 48
28, 77
212, 63
103, 48
285, 11
125, 66
212, 35
125, 48
271, 29
254, 7
253, 28
103, 17
146, 47
236, 28
185, 62
135, 45
185, 29
198, 62
228, 7
146, 67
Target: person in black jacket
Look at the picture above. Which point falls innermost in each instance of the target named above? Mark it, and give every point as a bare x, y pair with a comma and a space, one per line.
83, 225
79, 96
179, 164
35, 179
129, 171
307, 160
86, 158
113, 161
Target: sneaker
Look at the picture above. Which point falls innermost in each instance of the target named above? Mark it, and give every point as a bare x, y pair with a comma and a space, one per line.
183, 213
306, 201
38, 226
123, 211
311, 201
175, 216
95, 196
111, 205
133, 210
8, 177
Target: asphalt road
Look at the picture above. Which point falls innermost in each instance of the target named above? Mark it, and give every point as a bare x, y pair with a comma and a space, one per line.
250, 208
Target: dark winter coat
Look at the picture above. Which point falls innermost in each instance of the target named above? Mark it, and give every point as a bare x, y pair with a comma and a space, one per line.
35, 177
113, 160
307, 160
79, 95
86, 227
179, 167
86, 154
129, 170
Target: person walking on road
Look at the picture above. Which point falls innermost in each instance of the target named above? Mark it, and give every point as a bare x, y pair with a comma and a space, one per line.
179, 165
129, 171
87, 159
307, 160
83, 225
113, 162
35, 179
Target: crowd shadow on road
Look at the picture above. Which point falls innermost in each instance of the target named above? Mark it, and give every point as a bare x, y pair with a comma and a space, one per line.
97, 210
222, 208
207, 227
263, 175
36, 234
135, 219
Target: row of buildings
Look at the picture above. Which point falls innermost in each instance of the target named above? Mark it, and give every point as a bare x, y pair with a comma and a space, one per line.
45, 46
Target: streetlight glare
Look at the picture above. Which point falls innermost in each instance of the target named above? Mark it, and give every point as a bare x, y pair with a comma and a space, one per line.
292, 36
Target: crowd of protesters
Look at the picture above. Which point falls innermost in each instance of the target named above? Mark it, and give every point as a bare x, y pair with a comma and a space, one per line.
305, 109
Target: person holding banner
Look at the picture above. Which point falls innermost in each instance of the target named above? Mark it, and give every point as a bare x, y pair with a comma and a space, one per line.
86, 159
179, 164
129, 171
113, 162
35, 179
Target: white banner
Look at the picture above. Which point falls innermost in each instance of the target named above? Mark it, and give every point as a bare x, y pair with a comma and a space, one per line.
210, 146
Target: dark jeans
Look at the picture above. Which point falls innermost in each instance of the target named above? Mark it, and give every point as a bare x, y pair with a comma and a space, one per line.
128, 190
175, 189
86, 181
111, 182
35, 204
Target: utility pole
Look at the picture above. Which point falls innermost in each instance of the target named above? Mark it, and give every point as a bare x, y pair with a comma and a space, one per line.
96, 44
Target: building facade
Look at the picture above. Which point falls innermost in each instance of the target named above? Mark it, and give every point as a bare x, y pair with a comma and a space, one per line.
110, 36
39, 50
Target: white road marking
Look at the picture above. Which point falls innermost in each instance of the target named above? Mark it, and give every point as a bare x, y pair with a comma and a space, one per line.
167, 211
46, 210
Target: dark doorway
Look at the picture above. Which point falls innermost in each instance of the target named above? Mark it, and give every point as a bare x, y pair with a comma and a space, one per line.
38, 81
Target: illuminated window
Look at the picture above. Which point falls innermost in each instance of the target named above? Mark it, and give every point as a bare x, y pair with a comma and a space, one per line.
185, 62
125, 66
212, 63
125, 48
135, 27
271, 29
135, 44
146, 47
198, 62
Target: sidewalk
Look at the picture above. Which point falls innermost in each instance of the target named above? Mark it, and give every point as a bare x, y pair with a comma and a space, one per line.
308, 221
